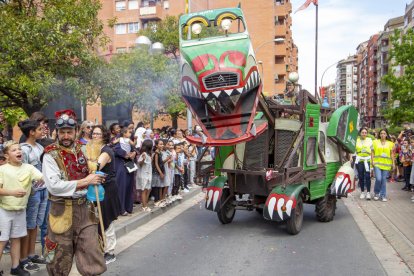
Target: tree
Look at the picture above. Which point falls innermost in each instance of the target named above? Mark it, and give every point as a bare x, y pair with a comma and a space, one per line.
43, 43
139, 79
402, 87
166, 32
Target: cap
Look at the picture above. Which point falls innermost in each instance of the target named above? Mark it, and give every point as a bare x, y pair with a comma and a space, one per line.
65, 118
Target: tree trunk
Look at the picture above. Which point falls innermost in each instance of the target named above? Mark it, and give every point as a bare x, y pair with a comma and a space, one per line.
174, 119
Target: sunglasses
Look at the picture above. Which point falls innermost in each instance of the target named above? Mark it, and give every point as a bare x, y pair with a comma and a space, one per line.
89, 127
69, 122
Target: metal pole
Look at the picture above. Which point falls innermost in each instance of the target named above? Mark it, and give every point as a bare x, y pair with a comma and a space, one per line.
189, 115
316, 54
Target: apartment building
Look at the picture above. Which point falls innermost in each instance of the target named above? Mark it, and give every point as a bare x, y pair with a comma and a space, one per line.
346, 88
384, 65
409, 16
362, 72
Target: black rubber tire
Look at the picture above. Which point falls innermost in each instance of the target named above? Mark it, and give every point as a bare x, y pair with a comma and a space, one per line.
325, 208
227, 212
294, 224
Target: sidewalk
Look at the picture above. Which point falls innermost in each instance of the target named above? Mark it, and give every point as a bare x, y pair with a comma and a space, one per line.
123, 226
394, 219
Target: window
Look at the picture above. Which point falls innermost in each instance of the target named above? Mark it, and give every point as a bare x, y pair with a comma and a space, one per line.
133, 4
322, 141
120, 5
133, 27
311, 152
120, 29
121, 50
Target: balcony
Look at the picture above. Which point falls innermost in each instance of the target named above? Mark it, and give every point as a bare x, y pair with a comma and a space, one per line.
151, 12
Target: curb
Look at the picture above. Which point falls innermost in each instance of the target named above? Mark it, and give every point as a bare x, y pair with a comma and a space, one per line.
140, 218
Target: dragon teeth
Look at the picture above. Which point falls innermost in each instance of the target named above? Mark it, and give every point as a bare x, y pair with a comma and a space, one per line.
280, 203
271, 206
289, 205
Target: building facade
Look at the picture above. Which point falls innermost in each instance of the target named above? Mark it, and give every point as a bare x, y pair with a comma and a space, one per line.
268, 21
346, 89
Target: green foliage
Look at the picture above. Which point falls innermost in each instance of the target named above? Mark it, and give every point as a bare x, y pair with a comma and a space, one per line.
42, 43
149, 82
166, 32
401, 53
13, 115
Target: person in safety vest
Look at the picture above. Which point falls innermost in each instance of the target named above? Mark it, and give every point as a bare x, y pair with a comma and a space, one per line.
362, 162
383, 161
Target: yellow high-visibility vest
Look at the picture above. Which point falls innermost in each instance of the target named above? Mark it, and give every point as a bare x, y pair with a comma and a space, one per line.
382, 155
363, 147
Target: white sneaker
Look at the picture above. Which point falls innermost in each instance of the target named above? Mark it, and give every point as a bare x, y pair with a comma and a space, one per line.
376, 197
186, 190
384, 199
179, 197
412, 198
368, 197
362, 196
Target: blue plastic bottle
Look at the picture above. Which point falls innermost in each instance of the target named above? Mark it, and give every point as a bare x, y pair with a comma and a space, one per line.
91, 195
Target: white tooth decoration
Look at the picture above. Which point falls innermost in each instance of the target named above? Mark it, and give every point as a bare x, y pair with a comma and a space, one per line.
228, 91
251, 81
240, 89
343, 186
289, 207
280, 203
210, 197
205, 95
215, 199
217, 93
271, 206
253, 130
346, 188
187, 89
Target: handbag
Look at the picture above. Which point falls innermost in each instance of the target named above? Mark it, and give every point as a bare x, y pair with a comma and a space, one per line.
131, 166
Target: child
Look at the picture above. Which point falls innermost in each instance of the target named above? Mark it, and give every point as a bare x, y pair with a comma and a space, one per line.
178, 171
405, 158
206, 157
172, 169
144, 173
167, 160
125, 141
36, 206
158, 173
15, 185
186, 178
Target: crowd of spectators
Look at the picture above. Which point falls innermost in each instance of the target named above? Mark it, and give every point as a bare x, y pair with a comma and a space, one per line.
148, 168
386, 158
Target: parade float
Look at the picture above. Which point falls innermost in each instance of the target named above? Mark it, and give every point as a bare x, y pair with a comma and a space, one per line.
271, 155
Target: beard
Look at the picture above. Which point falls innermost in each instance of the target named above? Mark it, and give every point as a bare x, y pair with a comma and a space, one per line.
67, 143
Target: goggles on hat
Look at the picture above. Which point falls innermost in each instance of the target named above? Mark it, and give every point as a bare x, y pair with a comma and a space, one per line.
65, 123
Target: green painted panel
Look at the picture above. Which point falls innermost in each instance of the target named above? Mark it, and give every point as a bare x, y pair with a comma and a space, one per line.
218, 182
221, 155
311, 136
293, 189
343, 126
331, 170
317, 188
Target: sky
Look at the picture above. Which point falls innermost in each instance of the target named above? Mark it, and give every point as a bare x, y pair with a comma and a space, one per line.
343, 24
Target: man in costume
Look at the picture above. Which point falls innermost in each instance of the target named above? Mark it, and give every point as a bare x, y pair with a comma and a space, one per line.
73, 226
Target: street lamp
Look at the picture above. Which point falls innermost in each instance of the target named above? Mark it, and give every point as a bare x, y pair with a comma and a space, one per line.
154, 48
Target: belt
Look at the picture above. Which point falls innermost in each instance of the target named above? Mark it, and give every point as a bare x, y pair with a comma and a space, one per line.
70, 200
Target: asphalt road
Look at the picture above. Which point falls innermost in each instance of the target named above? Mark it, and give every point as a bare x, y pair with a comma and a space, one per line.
196, 243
